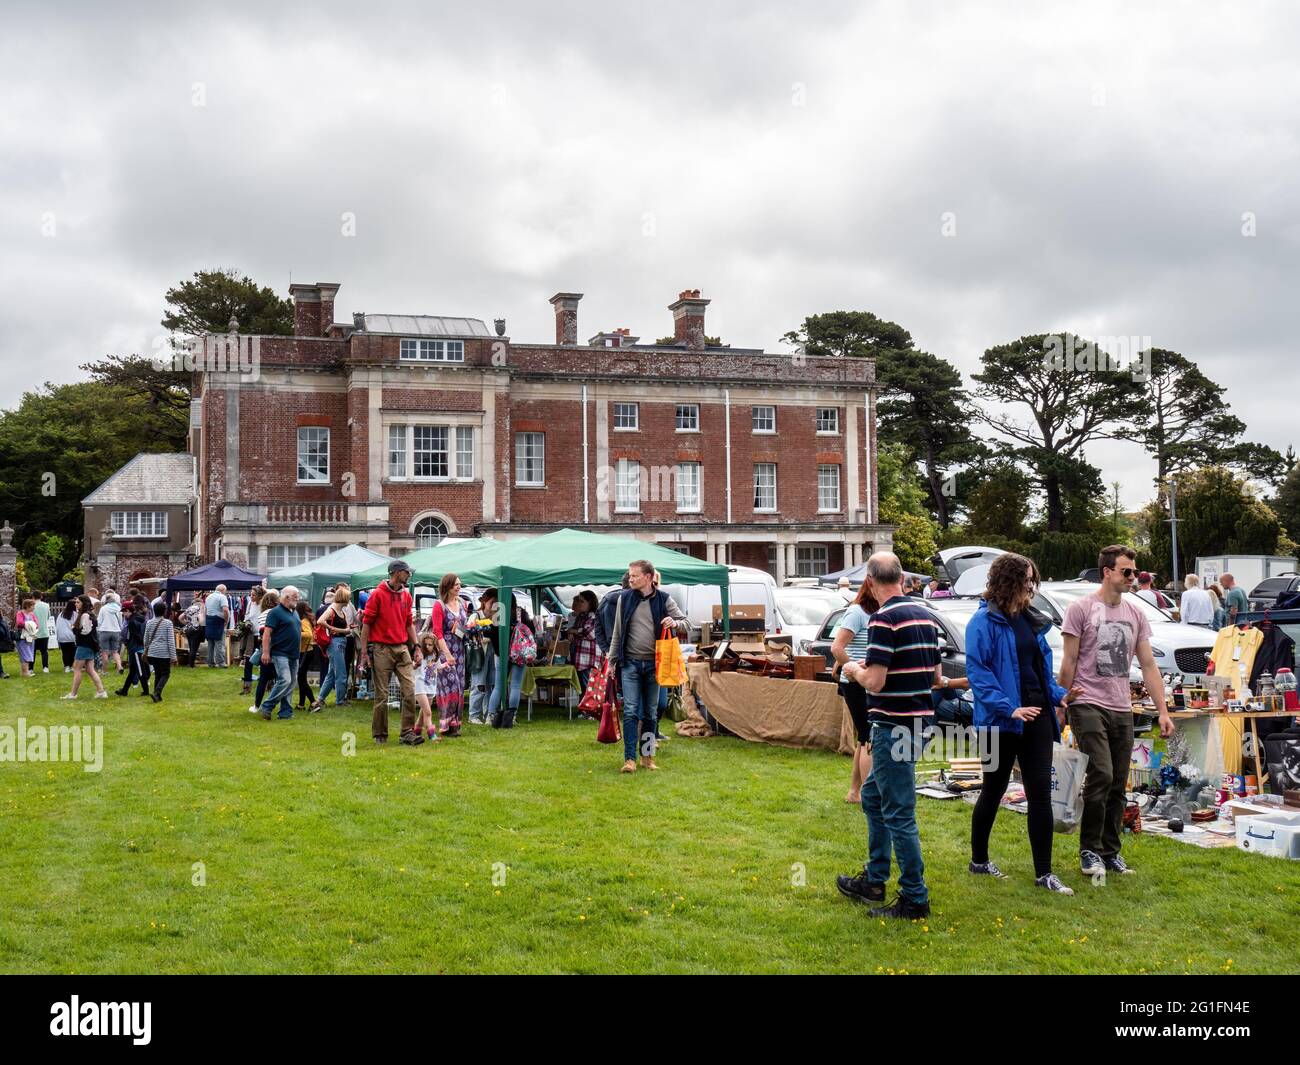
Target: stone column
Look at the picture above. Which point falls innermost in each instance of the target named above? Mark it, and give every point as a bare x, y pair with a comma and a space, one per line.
8, 574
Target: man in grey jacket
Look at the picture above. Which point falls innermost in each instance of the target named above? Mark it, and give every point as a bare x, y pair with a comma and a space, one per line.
642, 614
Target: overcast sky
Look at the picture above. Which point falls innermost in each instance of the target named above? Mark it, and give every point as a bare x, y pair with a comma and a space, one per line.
1096, 160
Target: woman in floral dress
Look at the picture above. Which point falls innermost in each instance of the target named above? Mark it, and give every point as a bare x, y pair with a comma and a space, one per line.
449, 624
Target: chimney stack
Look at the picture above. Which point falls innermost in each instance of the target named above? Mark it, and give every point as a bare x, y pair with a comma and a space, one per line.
566, 317
313, 308
688, 319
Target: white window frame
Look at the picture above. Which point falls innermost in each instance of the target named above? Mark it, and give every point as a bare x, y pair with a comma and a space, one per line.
523, 440
131, 524
622, 410
834, 421
459, 462
431, 349
754, 419
824, 483
304, 436
464, 456
693, 417
772, 467
627, 486
398, 435
281, 556
811, 560
446, 531
433, 432
697, 483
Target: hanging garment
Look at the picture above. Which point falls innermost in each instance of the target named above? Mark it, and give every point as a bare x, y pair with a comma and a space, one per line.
1234, 654
1276, 652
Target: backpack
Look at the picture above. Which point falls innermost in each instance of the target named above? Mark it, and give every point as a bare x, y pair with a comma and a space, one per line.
523, 646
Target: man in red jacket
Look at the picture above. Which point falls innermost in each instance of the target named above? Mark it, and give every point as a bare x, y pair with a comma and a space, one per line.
388, 640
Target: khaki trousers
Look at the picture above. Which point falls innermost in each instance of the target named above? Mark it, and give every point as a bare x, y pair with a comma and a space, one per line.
385, 660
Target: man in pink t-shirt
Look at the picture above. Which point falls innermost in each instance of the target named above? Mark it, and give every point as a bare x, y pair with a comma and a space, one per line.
1102, 633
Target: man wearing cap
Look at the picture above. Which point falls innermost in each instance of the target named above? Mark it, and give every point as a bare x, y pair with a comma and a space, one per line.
1146, 590
388, 641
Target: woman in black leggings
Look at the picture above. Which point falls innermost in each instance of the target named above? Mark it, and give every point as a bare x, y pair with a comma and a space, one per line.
1009, 665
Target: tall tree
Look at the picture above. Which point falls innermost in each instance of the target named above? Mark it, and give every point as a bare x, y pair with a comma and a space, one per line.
924, 408
1070, 402
1218, 514
164, 392
207, 302
61, 443
849, 334
902, 504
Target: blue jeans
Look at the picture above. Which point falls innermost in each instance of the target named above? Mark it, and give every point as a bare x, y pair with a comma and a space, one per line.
250, 662
336, 679
889, 801
481, 686
516, 682
286, 670
640, 706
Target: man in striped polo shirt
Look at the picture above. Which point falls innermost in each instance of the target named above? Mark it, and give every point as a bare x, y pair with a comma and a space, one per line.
900, 668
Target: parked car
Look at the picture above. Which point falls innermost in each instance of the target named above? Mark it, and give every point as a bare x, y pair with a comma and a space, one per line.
804, 609
1267, 592
952, 562
951, 615
1176, 647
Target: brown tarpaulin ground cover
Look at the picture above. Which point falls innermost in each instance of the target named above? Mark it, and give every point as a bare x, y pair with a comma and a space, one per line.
788, 713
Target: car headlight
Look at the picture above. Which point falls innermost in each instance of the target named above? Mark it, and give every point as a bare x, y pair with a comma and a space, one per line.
1159, 652
803, 647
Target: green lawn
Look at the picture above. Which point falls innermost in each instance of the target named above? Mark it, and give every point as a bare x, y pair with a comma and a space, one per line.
384, 861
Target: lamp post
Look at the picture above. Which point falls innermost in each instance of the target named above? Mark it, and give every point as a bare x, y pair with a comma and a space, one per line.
1173, 529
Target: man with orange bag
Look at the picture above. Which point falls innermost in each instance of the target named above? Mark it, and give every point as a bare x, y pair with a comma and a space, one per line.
642, 615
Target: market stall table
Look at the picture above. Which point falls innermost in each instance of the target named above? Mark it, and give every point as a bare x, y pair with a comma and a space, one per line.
1204, 743
554, 674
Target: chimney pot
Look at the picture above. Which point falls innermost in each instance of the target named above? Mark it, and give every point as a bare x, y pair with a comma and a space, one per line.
566, 317
688, 319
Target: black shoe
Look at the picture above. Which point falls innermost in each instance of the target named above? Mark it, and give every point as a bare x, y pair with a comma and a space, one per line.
121, 692
860, 889
381, 741
902, 908
156, 697
412, 740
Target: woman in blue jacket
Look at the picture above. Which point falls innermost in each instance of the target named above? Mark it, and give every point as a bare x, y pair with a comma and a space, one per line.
1009, 665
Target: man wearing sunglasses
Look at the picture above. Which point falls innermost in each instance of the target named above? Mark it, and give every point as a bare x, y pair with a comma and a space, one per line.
1102, 633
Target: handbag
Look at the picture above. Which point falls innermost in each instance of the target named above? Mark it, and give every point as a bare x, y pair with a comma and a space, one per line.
523, 646
670, 667
675, 710
593, 699
322, 634
608, 731
475, 658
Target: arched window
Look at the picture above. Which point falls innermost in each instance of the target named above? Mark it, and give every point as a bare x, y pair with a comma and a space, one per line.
429, 532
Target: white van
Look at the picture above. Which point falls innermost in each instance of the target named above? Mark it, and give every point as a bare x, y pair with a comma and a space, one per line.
749, 587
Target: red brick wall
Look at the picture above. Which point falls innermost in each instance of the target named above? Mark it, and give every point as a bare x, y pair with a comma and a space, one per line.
268, 445
561, 421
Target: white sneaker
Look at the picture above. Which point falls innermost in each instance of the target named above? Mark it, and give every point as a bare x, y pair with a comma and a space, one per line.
101, 695
254, 710
67, 669
46, 669
1052, 882
68, 696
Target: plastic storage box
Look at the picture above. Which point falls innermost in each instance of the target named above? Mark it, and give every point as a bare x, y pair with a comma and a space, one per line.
1277, 835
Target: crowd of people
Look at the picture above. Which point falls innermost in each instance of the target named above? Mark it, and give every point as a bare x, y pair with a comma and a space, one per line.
890, 670
887, 660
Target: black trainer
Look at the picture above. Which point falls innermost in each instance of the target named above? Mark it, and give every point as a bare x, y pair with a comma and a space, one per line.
902, 908
412, 740
860, 889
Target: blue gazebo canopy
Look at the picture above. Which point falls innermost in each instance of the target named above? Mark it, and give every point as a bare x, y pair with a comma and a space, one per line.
205, 578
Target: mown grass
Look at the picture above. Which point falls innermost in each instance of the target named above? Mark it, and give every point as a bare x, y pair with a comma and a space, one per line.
392, 860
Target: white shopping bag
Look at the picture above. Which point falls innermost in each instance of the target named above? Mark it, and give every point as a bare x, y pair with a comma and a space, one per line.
1068, 767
